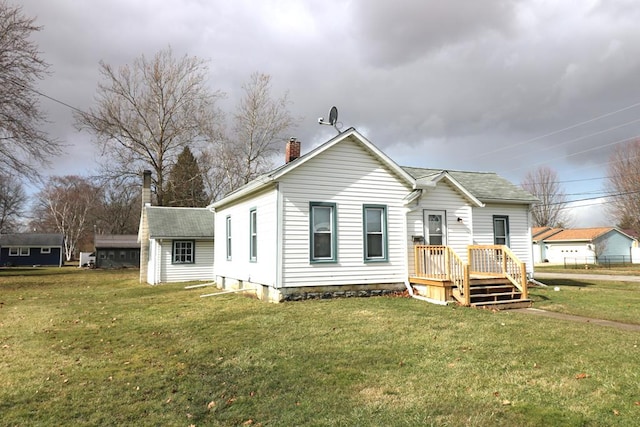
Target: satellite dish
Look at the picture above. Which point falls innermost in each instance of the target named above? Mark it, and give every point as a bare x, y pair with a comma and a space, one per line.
333, 116
333, 119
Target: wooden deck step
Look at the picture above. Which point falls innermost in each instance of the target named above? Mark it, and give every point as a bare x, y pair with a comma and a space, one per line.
503, 305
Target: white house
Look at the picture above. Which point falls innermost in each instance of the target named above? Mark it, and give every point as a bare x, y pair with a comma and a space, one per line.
176, 244
583, 245
346, 220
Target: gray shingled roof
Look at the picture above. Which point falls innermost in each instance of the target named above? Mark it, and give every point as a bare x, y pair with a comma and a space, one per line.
121, 241
165, 222
485, 186
32, 239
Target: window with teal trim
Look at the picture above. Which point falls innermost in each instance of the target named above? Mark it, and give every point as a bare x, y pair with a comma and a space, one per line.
228, 237
375, 232
322, 236
253, 235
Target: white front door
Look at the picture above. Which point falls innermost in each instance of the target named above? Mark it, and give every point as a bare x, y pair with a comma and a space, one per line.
435, 227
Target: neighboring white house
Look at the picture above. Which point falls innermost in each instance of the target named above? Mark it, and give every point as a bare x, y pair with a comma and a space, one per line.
176, 243
344, 218
582, 245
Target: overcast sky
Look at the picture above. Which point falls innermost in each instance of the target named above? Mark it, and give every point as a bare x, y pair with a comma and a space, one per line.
483, 85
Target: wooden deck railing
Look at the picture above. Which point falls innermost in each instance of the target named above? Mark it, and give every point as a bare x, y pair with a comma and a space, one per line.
498, 259
442, 263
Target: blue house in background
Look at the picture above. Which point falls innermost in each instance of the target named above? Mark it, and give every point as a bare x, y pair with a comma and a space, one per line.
31, 249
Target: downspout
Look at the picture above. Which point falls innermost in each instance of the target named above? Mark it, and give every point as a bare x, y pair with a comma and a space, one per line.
279, 237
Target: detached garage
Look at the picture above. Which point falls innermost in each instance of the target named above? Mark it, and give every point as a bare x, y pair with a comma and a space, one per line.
31, 249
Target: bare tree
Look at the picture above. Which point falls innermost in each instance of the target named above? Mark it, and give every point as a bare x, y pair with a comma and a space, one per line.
66, 205
119, 211
148, 112
23, 147
259, 129
12, 202
550, 212
623, 183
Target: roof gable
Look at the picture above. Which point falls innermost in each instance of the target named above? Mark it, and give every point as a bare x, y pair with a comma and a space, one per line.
350, 134
168, 222
484, 186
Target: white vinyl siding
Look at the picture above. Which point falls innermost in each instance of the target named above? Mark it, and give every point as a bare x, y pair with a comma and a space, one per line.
241, 267
519, 229
444, 197
350, 177
161, 269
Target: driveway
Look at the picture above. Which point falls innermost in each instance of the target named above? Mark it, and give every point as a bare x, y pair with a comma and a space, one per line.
585, 276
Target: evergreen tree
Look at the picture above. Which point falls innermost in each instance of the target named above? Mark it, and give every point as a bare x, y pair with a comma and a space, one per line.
186, 186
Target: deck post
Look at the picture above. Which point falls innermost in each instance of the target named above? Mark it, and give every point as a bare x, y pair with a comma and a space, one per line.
466, 285
523, 274
447, 262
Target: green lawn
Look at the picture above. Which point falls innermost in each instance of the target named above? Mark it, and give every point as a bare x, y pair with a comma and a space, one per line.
97, 348
617, 301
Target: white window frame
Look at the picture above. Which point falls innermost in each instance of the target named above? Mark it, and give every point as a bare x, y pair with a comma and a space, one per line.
228, 237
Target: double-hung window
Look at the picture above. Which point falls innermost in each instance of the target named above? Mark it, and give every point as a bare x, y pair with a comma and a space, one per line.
501, 230
14, 251
375, 232
228, 237
253, 235
183, 252
322, 236
45, 250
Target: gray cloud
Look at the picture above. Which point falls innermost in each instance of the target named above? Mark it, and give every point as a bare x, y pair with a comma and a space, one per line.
481, 85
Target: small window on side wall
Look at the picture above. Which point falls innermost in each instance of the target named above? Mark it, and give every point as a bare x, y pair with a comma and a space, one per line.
25, 251
375, 232
322, 233
14, 251
253, 235
45, 250
501, 230
228, 237
183, 252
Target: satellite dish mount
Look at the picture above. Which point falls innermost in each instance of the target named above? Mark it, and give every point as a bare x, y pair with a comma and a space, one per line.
333, 119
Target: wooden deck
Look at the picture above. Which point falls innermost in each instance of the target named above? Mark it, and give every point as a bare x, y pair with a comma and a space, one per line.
492, 278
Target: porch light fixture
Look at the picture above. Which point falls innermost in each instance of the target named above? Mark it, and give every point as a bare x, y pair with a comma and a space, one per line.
460, 220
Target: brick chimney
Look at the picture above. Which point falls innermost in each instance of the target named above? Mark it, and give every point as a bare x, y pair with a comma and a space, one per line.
292, 150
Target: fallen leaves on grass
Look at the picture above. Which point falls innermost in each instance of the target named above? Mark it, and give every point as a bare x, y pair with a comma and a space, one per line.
582, 376
211, 404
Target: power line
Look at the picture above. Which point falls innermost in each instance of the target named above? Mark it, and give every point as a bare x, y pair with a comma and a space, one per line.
560, 130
